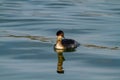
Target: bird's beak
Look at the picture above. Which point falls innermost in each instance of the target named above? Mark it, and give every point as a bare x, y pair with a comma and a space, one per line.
63, 36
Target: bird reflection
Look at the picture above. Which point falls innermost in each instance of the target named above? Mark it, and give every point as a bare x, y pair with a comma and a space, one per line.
61, 59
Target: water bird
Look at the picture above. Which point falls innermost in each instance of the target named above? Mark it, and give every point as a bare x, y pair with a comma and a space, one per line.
65, 44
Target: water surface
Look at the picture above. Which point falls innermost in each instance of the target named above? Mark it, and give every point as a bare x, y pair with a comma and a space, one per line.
27, 37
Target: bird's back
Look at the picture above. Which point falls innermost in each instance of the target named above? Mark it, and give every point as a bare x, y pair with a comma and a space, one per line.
70, 43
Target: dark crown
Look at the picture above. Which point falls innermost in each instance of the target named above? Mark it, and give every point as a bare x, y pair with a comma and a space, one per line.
59, 32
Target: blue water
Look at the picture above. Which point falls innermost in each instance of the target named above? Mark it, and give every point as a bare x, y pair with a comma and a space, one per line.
28, 33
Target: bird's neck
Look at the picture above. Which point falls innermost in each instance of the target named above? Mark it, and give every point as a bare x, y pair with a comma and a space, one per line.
59, 42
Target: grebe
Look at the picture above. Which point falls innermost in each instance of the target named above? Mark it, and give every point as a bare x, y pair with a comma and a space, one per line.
64, 44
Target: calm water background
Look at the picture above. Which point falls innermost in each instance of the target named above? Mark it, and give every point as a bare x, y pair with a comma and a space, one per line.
27, 36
